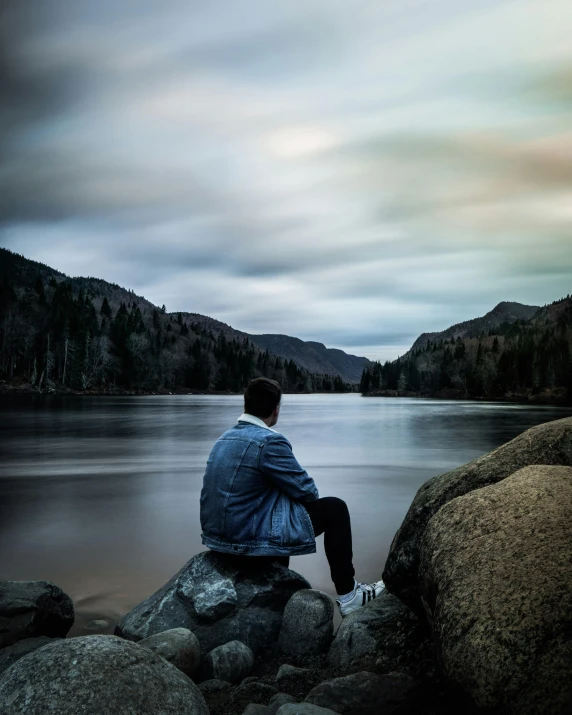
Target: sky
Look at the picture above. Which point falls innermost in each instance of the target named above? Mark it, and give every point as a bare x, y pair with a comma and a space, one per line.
345, 171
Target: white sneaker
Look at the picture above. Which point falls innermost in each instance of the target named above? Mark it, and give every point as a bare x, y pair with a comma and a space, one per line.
364, 593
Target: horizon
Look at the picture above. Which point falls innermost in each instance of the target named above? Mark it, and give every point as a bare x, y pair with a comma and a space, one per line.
234, 327
351, 174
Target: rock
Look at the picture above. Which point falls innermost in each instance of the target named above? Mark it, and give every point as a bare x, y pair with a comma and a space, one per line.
496, 581
305, 709
286, 671
367, 694
297, 681
179, 646
232, 661
98, 624
250, 679
387, 629
214, 685
257, 692
97, 675
276, 701
220, 598
308, 623
29, 609
549, 443
12, 653
249, 694
257, 709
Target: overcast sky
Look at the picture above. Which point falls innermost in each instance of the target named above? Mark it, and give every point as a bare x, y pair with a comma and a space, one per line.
354, 172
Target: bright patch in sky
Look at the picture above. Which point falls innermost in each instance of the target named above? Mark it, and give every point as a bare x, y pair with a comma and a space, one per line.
350, 172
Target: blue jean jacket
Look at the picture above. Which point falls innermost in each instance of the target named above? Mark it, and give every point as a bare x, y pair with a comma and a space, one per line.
252, 495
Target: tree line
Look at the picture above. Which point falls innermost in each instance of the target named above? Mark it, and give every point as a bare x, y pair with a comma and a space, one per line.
525, 358
87, 334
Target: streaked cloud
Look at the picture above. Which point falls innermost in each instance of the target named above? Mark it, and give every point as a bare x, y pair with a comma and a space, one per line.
349, 172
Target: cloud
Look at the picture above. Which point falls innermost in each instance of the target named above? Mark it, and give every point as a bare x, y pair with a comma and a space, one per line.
355, 173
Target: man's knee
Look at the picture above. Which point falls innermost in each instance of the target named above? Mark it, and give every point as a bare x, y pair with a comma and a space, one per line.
336, 506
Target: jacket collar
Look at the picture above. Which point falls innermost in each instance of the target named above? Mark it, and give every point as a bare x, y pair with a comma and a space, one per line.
245, 417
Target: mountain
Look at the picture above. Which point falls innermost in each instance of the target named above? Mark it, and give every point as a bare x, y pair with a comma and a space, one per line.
504, 312
85, 334
515, 352
313, 356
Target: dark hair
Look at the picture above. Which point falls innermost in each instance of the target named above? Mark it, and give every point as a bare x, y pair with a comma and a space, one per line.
262, 397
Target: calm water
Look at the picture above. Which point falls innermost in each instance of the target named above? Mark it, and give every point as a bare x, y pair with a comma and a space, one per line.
101, 495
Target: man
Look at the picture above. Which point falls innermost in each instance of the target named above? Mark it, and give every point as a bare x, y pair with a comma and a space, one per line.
258, 501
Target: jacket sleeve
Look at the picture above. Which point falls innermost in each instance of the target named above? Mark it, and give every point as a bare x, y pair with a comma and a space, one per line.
277, 462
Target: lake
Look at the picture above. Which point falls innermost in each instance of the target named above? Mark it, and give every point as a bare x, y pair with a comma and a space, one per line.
101, 494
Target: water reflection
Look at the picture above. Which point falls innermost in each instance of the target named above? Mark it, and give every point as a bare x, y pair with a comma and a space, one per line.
100, 495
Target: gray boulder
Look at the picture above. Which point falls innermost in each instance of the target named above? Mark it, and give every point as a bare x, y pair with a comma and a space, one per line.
287, 671
297, 681
232, 662
179, 646
29, 609
367, 694
305, 709
220, 598
249, 679
257, 709
387, 630
496, 582
308, 623
97, 675
276, 701
549, 443
12, 653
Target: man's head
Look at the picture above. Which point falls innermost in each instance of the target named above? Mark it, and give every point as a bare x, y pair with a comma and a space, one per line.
262, 399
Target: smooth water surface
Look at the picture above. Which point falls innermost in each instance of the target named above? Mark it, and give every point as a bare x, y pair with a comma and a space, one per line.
101, 494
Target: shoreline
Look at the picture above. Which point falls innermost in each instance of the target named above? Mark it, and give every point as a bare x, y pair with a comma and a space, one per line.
27, 389
521, 399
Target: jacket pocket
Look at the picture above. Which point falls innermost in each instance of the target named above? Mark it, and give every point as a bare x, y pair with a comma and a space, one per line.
291, 525
277, 520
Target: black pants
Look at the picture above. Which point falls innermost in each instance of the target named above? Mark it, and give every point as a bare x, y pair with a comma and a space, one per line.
329, 516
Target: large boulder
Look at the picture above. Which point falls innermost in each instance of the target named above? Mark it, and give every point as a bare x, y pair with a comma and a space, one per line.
220, 598
97, 675
496, 582
387, 630
549, 443
308, 623
29, 609
12, 653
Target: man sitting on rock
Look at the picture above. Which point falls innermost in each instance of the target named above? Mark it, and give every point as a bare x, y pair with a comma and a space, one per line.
257, 500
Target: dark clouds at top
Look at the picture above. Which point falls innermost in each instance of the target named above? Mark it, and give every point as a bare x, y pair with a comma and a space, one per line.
350, 172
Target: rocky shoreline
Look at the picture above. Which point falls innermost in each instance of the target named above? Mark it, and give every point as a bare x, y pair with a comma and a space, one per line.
477, 618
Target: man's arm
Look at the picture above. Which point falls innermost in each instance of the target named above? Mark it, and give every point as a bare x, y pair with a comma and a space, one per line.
277, 462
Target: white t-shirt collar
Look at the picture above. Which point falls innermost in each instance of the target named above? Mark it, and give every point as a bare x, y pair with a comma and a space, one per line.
245, 417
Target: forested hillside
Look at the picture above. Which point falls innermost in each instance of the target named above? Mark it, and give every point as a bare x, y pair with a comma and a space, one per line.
524, 359
84, 334
314, 356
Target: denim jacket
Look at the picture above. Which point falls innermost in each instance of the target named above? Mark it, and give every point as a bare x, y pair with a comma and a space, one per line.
252, 495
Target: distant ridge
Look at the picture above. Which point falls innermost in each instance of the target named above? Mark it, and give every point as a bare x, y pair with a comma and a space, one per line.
504, 312
515, 352
310, 355
84, 333
313, 356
